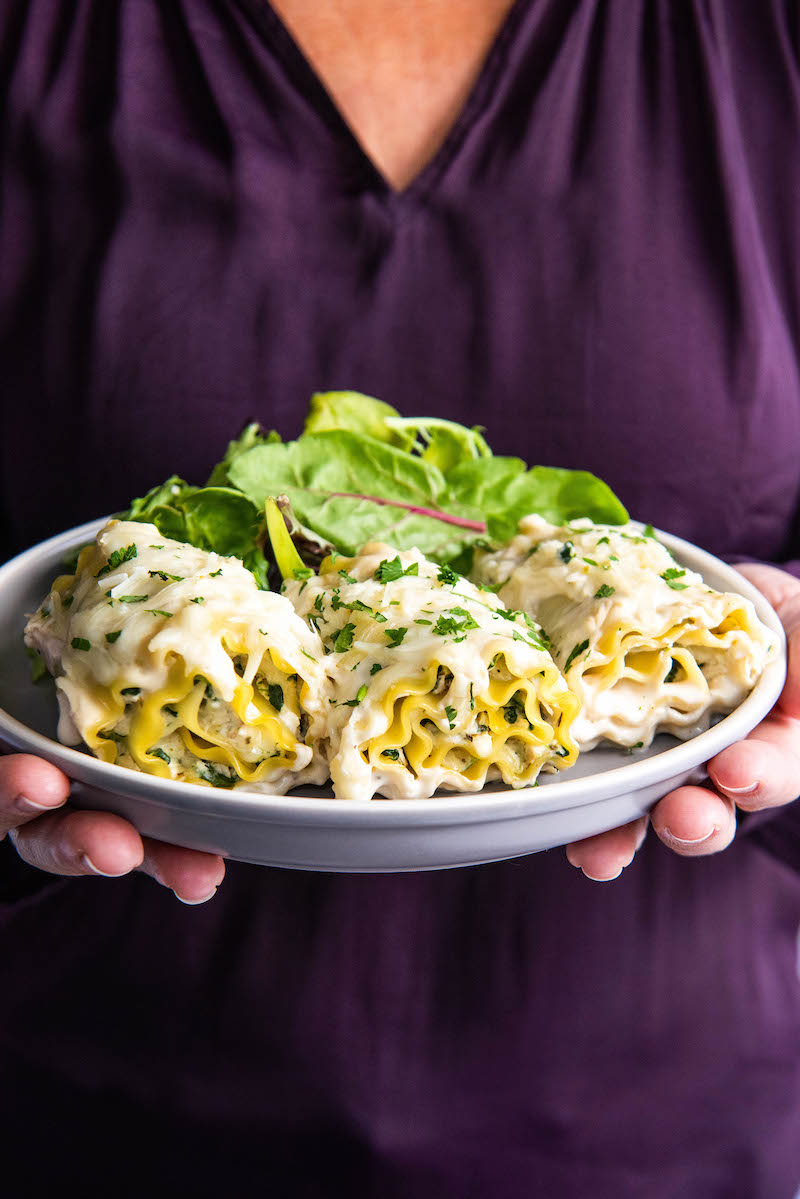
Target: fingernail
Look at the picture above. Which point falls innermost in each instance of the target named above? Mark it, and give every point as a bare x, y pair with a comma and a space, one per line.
23, 804
87, 861
739, 790
609, 878
192, 903
669, 836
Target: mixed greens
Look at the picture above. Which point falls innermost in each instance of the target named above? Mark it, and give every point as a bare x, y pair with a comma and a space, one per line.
358, 472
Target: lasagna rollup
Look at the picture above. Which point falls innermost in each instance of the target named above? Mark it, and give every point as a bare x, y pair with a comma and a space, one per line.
435, 683
170, 660
646, 645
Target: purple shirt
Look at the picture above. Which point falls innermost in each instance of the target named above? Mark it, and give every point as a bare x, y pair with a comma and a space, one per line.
601, 265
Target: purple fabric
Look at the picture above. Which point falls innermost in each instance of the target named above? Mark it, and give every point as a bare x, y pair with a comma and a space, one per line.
602, 266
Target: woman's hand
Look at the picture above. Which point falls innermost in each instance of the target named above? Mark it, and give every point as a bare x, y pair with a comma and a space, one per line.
53, 837
763, 771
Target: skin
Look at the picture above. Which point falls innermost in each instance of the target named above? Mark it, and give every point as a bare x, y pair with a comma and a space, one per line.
399, 71
762, 771
400, 74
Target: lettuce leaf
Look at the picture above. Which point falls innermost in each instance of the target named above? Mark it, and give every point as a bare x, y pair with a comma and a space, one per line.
359, 413
221, 519
250, 436
360, 472
350, 488
443, 443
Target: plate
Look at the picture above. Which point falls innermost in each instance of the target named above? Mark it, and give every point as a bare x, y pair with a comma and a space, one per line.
309, 829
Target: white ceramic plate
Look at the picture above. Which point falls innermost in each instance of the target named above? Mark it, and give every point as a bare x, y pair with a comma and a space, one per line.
309, 829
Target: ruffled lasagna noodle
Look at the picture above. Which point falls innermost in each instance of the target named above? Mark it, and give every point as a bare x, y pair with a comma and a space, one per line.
170, 660
646, 645
435, 683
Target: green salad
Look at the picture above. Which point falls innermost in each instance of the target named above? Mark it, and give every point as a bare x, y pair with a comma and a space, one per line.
359, 472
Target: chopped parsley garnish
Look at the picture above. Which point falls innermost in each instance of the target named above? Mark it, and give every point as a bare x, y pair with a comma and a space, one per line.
116, 559
159, 753
649, 531
347, 578
344, 638
275, 692
451, 626
603, 592
604, 541
448, 575
451, 714
471, 699
318, 602
395, 636
197, 599
671, 575
360, 606
566, 552
389, 571
376, 666
590, 561
360, 694
506, 613
112, 637
132, 599
167, 578
393, 754
576, 652
159, 612
423, 622
214, 573
80, 643
631, 748
308, 655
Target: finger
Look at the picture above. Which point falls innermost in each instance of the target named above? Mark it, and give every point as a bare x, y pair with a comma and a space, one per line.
694, 821
783, 592
72, 843
761, 772
29, 787
604, 856
193, 876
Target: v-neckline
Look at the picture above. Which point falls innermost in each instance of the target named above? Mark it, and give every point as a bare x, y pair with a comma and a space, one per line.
313, 89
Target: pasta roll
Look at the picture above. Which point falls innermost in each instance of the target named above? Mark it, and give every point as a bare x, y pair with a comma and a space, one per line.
435, 683
646, 645
170, 660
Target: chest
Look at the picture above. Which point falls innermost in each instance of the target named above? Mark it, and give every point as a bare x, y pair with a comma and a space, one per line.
399, 73
221, 246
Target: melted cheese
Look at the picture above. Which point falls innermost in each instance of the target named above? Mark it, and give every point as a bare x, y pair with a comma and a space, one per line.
645, 644
170, 660
435, 683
